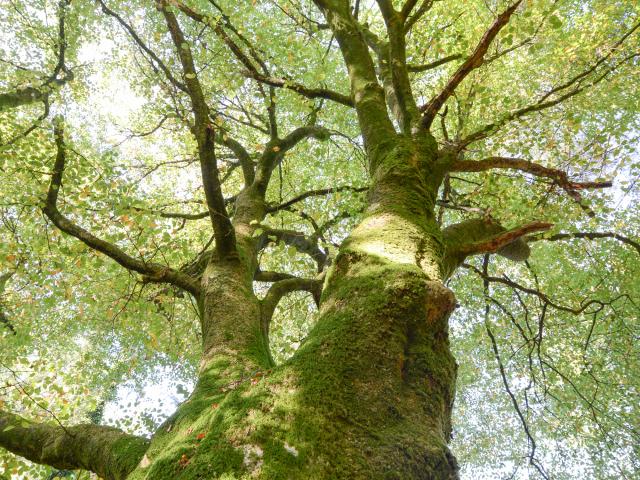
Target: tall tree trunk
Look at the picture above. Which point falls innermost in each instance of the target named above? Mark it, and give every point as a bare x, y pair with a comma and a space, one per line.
369, 393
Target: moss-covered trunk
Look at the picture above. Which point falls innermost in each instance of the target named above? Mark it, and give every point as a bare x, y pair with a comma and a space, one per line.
367, 396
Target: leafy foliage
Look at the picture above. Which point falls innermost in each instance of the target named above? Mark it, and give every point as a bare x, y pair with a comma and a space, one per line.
560, 397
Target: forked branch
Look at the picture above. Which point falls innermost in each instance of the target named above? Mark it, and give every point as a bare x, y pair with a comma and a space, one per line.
558, 176
205, 136
588, 235
474, 61
153, 272
577, 84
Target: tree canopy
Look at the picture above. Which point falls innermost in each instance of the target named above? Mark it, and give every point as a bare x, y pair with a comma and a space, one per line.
128, 130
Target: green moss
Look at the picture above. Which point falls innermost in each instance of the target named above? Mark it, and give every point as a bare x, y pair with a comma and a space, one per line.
127, 453
368, 394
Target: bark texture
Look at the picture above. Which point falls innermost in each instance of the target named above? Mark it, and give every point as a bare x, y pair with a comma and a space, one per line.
103, 450
369, 393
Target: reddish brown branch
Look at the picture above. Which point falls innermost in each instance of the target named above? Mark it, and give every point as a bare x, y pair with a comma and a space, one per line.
474, 61
500, 240
558, 176
154, 272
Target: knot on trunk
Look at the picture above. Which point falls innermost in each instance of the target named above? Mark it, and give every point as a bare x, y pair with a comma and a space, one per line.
440, 302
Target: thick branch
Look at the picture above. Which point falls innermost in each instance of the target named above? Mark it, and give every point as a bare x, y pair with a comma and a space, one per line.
205, 136
368, 95
23, 96
105, 451
396, 61
270, 277
498, 241
281, 288
474, 61
241, 153
28, 95
154, 272
4, 278
7, 323
484, 235
301, 242
275, 150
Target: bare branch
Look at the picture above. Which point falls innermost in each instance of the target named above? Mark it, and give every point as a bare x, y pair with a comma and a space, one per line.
597, 304
315, 193
503, 375
589, 235
501, 240
474, 61
434, 64
558, 176
154, 272
106, 451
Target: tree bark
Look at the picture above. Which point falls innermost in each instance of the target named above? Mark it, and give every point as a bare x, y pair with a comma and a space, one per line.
369, 393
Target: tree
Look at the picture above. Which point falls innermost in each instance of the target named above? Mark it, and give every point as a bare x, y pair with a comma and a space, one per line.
374, 157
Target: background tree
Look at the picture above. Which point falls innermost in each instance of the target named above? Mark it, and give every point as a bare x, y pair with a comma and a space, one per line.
272, 203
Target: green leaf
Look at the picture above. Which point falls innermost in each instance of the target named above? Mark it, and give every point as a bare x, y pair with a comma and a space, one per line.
555, 22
